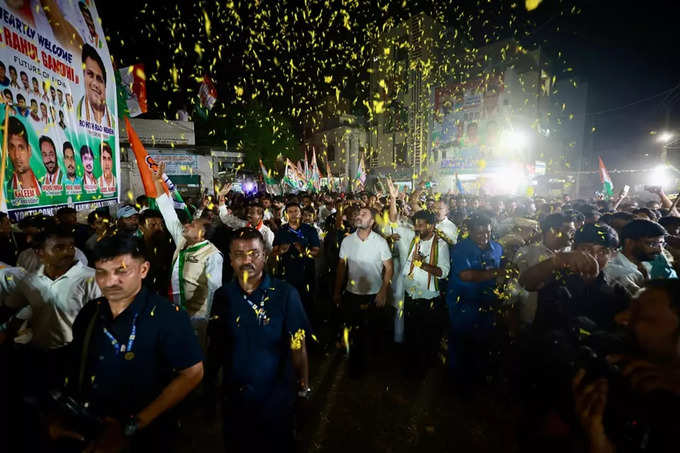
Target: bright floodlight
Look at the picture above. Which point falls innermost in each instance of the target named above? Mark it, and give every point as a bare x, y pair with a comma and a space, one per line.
515, 139
508, 180
665, 137
660, 176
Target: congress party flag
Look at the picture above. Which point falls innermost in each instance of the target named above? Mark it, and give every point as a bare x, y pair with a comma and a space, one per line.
607, 186
360, 179
146, 164
133, 86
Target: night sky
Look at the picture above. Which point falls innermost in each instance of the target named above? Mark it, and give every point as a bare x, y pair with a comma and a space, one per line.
626, 51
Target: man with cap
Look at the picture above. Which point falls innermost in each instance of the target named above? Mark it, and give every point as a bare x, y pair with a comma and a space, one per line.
641, 256
128, 219
572, 284
557, 233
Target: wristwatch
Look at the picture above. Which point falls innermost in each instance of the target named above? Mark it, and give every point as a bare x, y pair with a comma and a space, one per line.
305, 393
131, 427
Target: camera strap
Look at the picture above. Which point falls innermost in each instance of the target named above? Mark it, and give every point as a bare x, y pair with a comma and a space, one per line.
86, 347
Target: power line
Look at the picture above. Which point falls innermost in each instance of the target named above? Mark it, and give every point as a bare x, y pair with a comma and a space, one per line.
639, 101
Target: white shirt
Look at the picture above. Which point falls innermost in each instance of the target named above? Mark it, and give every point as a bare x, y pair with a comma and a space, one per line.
9, 281
214, 262
526, 258
416, 283
30, 261
448, 229
235, 223
52, 305
365, 261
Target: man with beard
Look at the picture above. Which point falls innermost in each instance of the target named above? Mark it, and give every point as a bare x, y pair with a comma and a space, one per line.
92, 107
159, 250
128, 220
87, 158
424, 261
70, 178
51, 180
366, 261
640, 257
588, 294
261, 330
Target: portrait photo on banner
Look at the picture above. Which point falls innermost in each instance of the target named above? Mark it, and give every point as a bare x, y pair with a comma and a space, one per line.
59, 113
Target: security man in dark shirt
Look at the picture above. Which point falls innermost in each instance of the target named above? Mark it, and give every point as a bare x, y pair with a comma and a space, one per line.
134, 356
262, 329
296, 244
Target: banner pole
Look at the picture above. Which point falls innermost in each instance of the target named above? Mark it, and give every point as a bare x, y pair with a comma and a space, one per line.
3, 161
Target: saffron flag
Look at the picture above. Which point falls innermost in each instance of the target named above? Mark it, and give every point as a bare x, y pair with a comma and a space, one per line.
607, 186
146, 164
133, 86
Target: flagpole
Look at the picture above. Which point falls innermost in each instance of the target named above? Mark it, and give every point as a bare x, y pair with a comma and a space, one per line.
3, 163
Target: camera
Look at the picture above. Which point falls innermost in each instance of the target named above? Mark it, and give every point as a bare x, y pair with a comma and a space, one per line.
84, 420
628, 417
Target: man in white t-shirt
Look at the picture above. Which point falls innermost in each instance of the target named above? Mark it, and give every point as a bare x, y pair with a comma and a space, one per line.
366, 261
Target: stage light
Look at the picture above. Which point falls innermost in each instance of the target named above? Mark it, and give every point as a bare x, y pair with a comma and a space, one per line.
665, 137
514, 139
249, 187
660, 176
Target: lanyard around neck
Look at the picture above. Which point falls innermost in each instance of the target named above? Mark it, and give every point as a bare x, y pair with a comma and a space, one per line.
260, 313
121, 348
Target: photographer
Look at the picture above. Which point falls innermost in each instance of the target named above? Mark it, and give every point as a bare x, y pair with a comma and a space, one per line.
652, 374
572, 284
134, 356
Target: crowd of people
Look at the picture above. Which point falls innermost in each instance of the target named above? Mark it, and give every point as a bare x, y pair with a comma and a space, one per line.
572, 304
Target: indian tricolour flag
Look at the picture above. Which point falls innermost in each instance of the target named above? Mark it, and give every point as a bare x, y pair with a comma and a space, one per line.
269, 182
607, 186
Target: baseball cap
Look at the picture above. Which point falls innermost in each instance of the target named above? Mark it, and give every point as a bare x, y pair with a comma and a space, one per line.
126, 211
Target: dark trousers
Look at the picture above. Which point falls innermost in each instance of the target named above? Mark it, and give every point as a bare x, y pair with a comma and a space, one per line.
475, 341
369, 329
424, 326
245, 431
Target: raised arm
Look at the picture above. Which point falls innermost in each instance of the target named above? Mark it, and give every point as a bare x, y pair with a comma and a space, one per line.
394, 214
166, 206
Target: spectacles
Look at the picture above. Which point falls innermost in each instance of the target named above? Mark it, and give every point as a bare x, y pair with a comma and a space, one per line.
655, 244
254, 254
